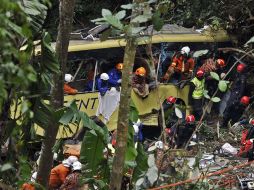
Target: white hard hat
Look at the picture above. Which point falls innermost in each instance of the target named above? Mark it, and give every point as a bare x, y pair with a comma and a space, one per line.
159, 144
72, 159
66, 163
34, 176
68, 77
76, 166
104, 76
186, 50
136, 128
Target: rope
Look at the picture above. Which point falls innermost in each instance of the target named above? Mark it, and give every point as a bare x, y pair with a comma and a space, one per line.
203, 177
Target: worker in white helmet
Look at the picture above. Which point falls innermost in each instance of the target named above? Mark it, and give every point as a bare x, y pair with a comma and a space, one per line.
181, 67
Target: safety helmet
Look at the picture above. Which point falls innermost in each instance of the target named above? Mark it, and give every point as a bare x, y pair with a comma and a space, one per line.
190, 119
141, 71
76, 166
200, 73
104, 76
73, 159
119, 66
68, 77
34, 176
240, 68
159, 144
66, 163
251, 121
186, 50
171, 100
245, 100
221, 62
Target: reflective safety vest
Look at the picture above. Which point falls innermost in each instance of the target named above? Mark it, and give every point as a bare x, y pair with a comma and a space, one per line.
198, 93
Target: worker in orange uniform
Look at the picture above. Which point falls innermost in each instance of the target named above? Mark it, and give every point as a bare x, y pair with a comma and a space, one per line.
59, 173
181, 68
67, 88
139, 85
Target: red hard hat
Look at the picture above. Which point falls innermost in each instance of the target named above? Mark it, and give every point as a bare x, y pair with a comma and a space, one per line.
245, 100
171, 100
190, 118
221, 62
200, 73
240, 68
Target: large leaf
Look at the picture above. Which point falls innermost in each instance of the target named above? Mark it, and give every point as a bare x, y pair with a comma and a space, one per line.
142, 18
91, 153
250, 41
120, 15
114, 21
48, 58
131, 152
215, 99
142, 164
200, 53
215, 76
223, 85
105, 12
157, 21
127, 6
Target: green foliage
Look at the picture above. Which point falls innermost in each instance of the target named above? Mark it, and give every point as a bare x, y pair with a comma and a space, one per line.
223, 85
142, 164
215, 76
91, 153
215, 99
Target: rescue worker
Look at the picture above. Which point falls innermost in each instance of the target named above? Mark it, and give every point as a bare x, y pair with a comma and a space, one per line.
103, 83
181, 68
71, 181
196, 93
184, 131
234, 111
169, 111
59, 173
210, 65
138, 135
67, 88
115, 75
239, 84
30, 185
246, 149
139, 85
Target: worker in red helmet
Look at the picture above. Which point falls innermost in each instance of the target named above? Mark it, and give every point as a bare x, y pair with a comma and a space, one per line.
238, 87
184, 131
196, 93
168, 106
235, 110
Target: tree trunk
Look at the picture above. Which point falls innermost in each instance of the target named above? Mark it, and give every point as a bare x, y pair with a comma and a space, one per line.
66, 11
123, 117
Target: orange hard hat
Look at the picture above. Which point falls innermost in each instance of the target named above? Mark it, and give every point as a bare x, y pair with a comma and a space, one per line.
141, 71
221, 62
119, 66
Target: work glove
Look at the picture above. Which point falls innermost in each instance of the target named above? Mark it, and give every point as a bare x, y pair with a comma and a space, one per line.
119, 81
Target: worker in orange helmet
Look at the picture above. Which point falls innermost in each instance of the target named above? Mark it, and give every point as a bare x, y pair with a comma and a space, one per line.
59, 173
181, 67
115, 75
139, 84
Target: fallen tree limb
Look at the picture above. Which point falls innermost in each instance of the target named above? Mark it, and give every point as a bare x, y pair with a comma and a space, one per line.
203, 176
